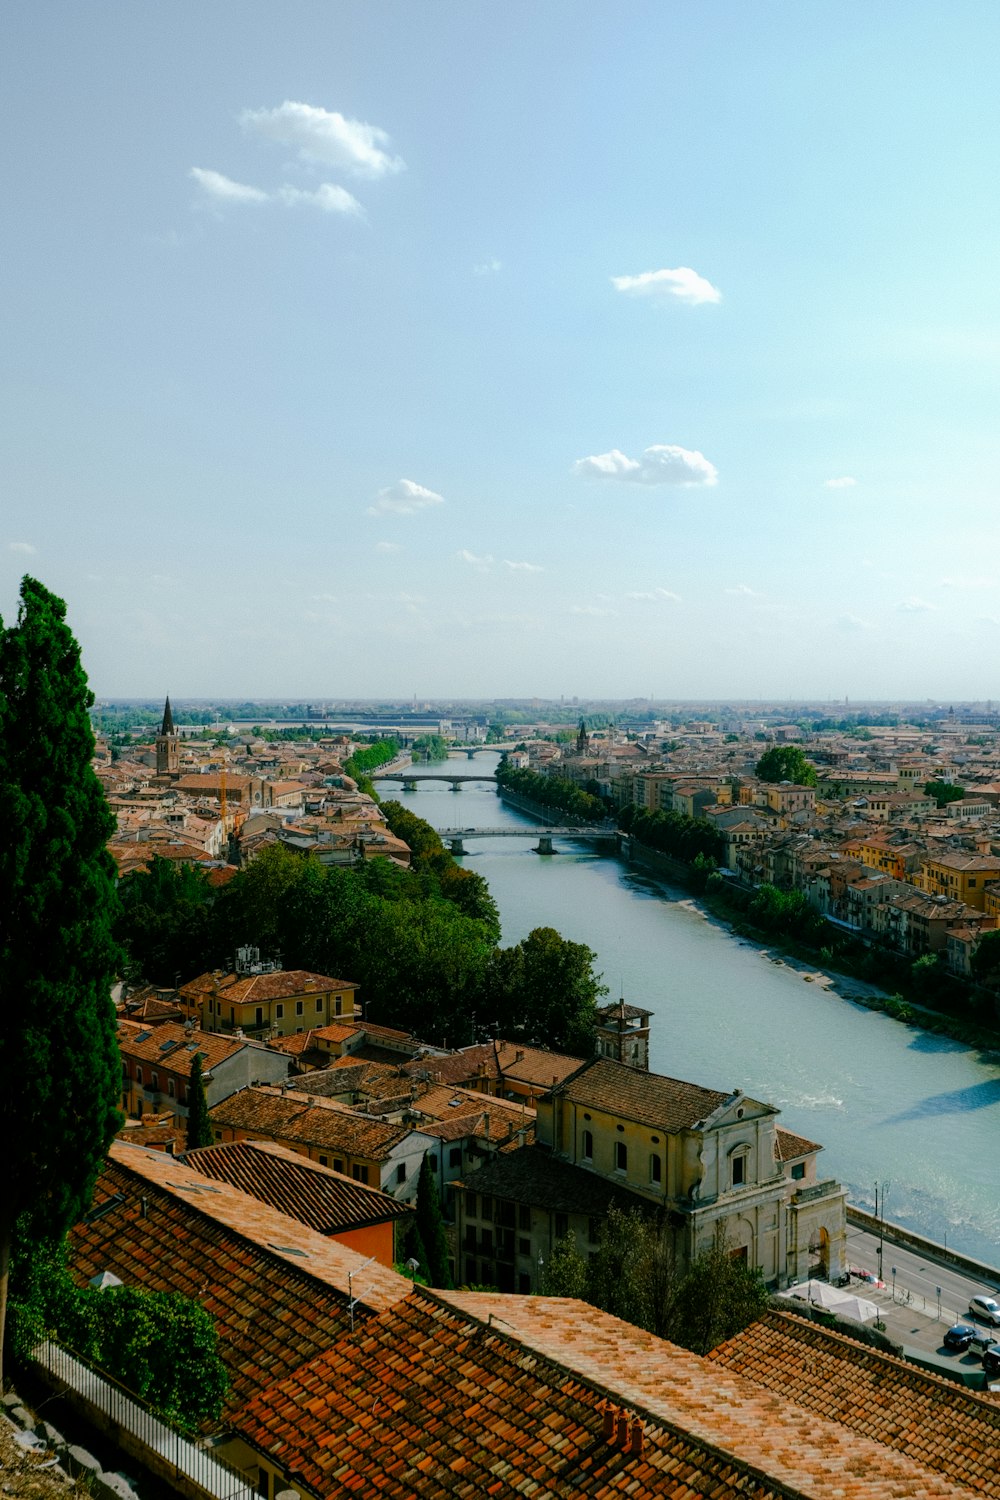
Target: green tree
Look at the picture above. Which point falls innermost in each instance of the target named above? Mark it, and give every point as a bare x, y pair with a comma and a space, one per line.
544, 990
199, 1125
564, 1274
985, 960
785, 763
59, 1064
943, 792
430, 1226
718, 1297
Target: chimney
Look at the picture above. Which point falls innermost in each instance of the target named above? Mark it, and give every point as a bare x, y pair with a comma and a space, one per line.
636, 1437
519, 1055
621, 1429
608, 1424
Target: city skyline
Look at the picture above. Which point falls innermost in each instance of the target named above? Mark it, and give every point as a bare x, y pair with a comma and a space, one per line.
646, 353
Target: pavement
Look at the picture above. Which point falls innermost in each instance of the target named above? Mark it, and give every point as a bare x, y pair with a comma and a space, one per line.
920, 1298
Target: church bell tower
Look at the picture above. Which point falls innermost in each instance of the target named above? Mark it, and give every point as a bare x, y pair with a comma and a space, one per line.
168, 749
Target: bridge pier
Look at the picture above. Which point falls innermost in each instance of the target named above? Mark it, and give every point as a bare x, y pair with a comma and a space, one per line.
544, 845
409, 785
456, 786
456, 846
471, 754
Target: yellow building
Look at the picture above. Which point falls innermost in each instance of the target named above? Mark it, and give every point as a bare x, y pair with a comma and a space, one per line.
960, 877
262, 1000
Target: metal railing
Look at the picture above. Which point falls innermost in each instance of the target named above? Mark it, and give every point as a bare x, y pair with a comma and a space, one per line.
127, 1420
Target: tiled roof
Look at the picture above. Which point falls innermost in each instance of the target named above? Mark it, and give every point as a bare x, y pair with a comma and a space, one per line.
459, 1394
279, 985
533, 1175
326, 1200
170, 1046
309, 1122
924, 1416
666, 1104
276, 1290
790, 1147
495, 1060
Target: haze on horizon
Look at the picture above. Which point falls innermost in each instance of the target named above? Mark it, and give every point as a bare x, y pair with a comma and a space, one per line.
482, 351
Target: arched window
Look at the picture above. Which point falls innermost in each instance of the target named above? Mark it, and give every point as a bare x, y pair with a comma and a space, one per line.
621, 1156
588, 1145
655, 1168
739, 1166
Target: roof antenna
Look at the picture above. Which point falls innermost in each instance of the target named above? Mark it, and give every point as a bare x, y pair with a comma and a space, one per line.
352, 1300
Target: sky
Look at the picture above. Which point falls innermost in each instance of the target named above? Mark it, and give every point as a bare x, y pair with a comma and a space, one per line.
525, 349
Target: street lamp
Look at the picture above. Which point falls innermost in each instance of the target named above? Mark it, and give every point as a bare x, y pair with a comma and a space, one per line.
881, 1222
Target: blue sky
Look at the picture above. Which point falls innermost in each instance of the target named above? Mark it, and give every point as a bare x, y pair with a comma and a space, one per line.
479, 349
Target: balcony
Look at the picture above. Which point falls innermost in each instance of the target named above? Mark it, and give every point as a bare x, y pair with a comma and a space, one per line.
816, 1190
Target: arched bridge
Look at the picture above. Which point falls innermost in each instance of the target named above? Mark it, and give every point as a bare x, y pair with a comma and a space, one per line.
411, 777
455, 837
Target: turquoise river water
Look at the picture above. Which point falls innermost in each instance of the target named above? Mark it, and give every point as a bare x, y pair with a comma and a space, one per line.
889, 1103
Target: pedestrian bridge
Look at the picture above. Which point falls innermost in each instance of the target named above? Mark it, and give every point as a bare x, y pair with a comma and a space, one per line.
455, 837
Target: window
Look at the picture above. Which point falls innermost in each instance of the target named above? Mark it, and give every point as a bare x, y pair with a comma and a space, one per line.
338, 1165
524, 1247
524, 1284
170, 1087
562, 1226
524, 1217
401, 1172
154, 1081
323, 1161
259, 1016
232, 1016
319, 1005
359, 1173
486, 1210
470, 1205
337, 1006
739, 1169
138, 1074
455, 1156
124, 1069
298, 1007
279, 1011
798, 1171
588, 1145
655, 1169
621, 1156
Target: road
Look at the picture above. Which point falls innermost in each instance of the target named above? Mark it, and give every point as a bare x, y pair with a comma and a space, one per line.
910, 1304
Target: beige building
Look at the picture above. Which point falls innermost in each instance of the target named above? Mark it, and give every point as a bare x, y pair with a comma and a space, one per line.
263, 1000
709, 1163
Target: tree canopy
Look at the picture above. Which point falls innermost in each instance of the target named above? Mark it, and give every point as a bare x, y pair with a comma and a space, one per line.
785, 763
944, 792
59, 1065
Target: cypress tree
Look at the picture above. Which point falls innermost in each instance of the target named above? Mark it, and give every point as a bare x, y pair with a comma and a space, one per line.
430, 1226
199, 1126
59, 1063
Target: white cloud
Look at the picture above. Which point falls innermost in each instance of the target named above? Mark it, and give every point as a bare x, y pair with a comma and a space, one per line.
590, 609
475, 562
21, 547
523, 567
845, 482
914, 606
329, 198
325, 136
683, 283
404, 498
224, 189
662, 464
744, 591
968, 583
487, 267
665, 594
388, 547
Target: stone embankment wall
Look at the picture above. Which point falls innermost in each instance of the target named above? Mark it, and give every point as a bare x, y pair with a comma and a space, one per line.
897, 1235
550, 815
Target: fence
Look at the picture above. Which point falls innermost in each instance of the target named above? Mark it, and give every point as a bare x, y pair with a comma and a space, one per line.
189, 1467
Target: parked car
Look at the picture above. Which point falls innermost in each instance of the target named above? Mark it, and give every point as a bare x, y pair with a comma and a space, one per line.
959, 1336
987, 1309
991, 1361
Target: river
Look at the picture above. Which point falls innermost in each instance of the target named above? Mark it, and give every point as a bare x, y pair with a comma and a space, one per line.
889, 1103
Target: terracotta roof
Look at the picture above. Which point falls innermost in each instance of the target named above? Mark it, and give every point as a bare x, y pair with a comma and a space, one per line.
326, 1200
171, 1046
667, 1104
924, 1416
533, 1175
479, 1395
790, 1147
497, 1060
310, 1122
276, 1290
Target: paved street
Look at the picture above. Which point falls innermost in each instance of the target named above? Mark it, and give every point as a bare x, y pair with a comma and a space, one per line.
910, 1304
